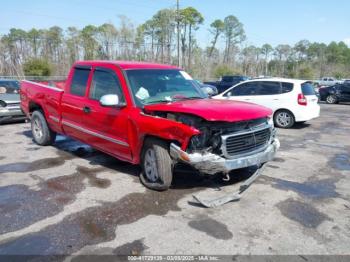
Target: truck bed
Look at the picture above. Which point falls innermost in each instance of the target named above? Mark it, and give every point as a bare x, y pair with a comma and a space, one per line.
44, 96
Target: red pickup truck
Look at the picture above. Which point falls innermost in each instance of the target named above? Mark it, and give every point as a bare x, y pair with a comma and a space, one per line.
150, 114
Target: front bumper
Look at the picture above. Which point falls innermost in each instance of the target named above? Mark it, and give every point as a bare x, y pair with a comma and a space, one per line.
211, 164
11, 114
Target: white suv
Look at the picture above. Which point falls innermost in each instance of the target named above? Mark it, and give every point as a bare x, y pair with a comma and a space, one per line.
291, 100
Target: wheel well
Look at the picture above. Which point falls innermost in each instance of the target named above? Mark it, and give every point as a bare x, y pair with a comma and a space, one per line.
34, 106
147, 137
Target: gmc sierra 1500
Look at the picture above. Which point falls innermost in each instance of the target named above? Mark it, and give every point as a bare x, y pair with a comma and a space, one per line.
152, 115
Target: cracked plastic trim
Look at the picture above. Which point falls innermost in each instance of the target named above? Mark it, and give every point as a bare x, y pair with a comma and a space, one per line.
211, 164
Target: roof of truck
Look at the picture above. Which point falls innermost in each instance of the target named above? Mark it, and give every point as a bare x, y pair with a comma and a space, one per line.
128, 64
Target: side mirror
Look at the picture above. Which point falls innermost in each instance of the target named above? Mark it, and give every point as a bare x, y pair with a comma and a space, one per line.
111, 101
229, 94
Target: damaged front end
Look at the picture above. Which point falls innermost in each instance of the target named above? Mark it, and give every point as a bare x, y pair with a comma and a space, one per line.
220, 147
223, 146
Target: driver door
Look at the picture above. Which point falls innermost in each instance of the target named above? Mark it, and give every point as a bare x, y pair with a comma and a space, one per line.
106, 126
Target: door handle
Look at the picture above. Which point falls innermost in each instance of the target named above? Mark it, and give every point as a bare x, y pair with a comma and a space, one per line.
86, 109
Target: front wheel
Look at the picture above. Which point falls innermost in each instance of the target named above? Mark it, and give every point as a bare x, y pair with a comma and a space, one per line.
42, 133
331, 99
157, 171
284, 119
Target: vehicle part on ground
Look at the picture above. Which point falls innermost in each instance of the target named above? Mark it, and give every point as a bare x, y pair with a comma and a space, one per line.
283, 119
156, 165
42, 134
234, 196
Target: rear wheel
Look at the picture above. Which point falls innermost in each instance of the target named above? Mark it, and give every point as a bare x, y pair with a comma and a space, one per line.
157, 171
42, 133
331, 99
284, 119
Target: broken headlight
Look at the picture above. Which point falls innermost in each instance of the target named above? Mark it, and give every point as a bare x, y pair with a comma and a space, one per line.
205, 141
198, 142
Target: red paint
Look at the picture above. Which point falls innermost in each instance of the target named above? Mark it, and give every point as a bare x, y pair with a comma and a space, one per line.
215, 109
128, 125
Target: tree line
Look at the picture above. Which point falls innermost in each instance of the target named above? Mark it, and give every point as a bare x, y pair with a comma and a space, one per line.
52, 51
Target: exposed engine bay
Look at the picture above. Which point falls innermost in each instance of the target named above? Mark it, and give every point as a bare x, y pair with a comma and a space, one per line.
210, 138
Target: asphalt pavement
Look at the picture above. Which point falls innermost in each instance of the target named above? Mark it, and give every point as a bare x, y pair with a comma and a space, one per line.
70, 199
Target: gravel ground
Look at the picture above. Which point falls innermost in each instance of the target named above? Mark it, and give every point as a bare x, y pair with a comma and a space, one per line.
70, 199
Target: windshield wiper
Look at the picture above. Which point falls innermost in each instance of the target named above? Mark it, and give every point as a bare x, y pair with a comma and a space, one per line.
174, 99
159, 101
189, 98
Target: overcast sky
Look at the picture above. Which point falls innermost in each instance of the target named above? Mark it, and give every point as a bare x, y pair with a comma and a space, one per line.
265, 21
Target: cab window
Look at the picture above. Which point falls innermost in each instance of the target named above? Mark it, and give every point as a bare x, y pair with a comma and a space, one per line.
105, 82
79, 81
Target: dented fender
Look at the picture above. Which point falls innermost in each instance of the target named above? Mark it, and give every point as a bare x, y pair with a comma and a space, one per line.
142, 125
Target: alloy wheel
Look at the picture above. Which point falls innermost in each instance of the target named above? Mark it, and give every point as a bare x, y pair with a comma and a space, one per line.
151, 165
284, 119
37, 128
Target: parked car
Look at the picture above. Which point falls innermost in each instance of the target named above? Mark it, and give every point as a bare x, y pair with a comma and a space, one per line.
210, 90
328, 81
291, 100
10, 109
335, 94
227, 82
152, 115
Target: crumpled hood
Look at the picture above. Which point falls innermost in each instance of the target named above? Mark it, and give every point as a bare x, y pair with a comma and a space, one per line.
214, 109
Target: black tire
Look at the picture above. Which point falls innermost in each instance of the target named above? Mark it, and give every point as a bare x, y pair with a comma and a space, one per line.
288, 117
42, 134
163, 165
331, 99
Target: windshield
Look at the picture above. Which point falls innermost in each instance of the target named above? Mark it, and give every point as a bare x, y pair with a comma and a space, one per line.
9, 87
150, 86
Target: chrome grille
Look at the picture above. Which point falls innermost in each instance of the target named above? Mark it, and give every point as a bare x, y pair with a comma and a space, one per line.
244, 143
